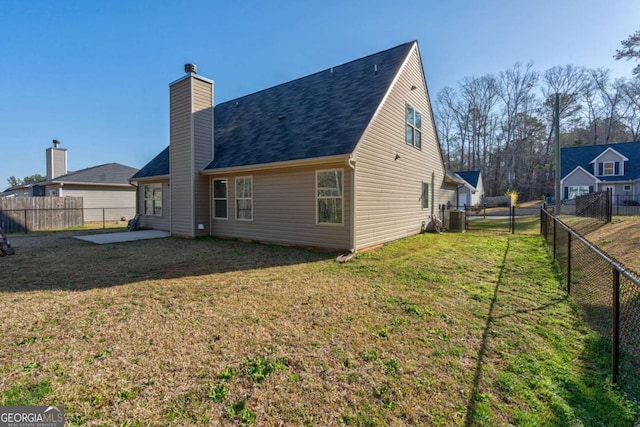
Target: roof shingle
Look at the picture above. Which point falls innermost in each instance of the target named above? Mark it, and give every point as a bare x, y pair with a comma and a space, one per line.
320, 115
110, 173
572, 157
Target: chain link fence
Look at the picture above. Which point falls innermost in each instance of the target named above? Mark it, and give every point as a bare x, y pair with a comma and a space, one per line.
595, 205
607, 293
507, 219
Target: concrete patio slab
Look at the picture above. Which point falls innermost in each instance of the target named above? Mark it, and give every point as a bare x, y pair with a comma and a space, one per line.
128, 236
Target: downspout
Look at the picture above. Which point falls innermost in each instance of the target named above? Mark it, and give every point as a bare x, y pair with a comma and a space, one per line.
137, 208
351, 163
433, 193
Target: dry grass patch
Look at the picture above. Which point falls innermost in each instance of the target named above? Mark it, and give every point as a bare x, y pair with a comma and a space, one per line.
620, 239
450, 329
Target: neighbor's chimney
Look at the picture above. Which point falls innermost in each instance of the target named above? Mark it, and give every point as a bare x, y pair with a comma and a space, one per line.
191, 150
56, 161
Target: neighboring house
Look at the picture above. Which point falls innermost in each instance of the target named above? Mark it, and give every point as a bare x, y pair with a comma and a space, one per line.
346, 158
105, 189
590, 168
472, 193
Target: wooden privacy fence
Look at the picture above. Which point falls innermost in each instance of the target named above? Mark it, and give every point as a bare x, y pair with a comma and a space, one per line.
20, 214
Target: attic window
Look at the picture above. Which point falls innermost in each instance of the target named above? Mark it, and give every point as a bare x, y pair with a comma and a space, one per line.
609, 168
413, 126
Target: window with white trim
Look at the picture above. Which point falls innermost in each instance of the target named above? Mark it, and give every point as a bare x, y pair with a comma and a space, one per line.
220, 205
329, 200
626, 187
577, 190
244, 198
608, 168
413, 126
153, 199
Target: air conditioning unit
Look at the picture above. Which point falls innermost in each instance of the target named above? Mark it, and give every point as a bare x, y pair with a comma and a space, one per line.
457, 221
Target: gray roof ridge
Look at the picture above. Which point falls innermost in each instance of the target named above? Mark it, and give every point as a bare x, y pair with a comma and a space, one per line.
71, 173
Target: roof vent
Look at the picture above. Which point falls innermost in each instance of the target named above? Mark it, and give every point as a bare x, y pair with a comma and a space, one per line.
191, 68
56, 143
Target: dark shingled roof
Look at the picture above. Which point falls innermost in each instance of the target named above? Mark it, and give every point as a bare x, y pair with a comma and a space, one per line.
158, 166
470, 176
320, 115
324, 114
572, 157
110, 173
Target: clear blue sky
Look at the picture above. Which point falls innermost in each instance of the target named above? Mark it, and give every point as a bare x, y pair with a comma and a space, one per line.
95, 74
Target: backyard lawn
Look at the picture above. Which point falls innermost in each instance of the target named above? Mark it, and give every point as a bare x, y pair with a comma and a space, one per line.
437, 329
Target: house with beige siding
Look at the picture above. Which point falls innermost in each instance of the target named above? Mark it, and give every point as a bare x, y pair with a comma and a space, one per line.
346, 158
105, 189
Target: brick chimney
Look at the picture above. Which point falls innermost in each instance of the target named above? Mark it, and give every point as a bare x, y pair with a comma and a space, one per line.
190, 150
56, 161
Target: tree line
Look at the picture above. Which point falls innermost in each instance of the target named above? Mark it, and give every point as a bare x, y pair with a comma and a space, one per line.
502, 124
13, 181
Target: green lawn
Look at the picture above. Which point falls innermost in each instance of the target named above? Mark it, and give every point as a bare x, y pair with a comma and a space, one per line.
437, 329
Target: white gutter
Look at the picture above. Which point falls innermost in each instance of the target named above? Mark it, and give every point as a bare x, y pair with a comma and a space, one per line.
96, 184
150, 178
277, 165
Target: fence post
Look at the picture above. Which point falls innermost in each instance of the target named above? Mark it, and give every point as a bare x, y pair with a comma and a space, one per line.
568, 262
103, 224
26, 229
615, 339
609, 204
513, 219
554, 238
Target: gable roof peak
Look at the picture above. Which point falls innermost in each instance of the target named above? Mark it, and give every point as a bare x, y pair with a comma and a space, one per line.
323, 114
333, 70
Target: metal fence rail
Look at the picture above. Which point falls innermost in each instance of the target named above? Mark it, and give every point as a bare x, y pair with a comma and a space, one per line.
607, 293
501, 219
626, 204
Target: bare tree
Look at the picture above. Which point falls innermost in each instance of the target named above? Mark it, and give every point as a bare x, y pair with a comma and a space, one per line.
630, 107
610, 96
501, 124
480, 96
445, 122
569, 83
452, 109
515, 89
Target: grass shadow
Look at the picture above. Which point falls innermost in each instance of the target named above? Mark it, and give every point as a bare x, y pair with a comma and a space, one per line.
57, 261
476, 397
